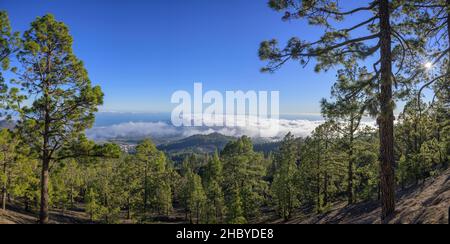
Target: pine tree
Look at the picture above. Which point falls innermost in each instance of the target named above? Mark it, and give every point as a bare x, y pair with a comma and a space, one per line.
197, 199
184, 191
410, 134
347, 113
193, 196
18, 169
25, 176
67, 179
440, 126
284, 189
9, 44
306, 177
366, 156
213, 188
156, 188
65, 101
106, 199
94, 210
235, 211
327, 161
58, 192
6, 48
130, 178
8, 145
243, 171
164, 195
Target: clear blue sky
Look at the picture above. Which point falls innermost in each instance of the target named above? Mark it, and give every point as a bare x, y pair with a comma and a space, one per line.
141, 51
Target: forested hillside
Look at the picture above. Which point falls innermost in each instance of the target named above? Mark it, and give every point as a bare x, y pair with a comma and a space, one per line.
198, 144
202, 145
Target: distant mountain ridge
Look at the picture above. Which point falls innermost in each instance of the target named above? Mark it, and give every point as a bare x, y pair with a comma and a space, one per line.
198, 144
207, 144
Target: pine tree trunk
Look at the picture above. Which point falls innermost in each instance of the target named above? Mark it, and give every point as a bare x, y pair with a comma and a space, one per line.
319, 206
145, 189
128, 209
27, 205
198, 212
44, 215
325, 190
350, 163
46, 155
107, 207
448, 37
386, 119
4, 198
4, 188
72, 203
350, 179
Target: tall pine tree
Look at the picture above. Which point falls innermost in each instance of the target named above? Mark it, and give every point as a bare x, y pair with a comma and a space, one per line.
347, 113
284, 189
213, 188
64, 101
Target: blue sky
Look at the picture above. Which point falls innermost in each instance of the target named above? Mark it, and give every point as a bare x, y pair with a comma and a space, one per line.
141, 51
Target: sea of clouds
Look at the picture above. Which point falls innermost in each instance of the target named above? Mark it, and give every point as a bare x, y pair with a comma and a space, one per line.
270, 129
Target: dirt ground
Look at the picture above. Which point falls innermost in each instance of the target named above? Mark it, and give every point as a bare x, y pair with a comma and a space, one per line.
16, 215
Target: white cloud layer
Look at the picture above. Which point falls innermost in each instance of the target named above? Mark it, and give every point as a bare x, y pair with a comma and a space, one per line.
267, 128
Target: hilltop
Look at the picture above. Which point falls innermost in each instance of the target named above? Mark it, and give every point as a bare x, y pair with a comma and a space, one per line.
201, 144
198, 144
